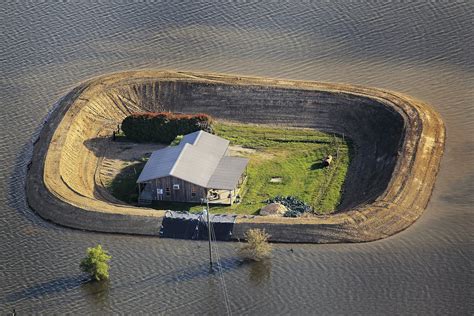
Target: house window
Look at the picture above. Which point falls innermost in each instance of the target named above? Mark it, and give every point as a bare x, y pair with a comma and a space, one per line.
175, 186
193, 191
168, 191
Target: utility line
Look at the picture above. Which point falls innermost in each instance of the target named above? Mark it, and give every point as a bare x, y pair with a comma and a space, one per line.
220, 271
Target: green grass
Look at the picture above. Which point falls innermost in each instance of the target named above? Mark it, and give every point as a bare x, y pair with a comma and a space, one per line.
292, 154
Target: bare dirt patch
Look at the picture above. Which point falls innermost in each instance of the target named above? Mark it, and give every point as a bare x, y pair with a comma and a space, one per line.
236, 150
120, 155
276, 180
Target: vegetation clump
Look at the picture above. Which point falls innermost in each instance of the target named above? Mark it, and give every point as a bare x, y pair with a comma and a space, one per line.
295, 207
163, 127
257, 247
96, 263
177, 140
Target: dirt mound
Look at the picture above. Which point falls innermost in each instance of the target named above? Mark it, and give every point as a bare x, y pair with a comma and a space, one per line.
273, 209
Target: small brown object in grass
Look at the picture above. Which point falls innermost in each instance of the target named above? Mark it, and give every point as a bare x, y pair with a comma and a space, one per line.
327, 161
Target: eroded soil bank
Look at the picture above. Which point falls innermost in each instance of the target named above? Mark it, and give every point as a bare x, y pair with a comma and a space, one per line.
398, 146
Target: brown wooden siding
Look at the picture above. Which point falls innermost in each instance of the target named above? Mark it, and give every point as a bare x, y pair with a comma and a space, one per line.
183, 194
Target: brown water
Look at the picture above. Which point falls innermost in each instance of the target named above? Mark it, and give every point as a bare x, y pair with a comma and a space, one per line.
423, 49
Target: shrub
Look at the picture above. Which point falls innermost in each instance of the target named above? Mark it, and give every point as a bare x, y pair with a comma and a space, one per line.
96, 263
257, 247
177, 140
163, 127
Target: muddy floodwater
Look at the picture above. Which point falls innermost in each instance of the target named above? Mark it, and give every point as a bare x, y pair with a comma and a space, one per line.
423, 50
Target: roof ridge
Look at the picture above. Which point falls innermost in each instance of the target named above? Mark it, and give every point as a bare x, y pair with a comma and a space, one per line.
179, 157
198, 137
196, 159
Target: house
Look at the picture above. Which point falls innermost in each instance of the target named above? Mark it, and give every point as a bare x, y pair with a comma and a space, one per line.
198, 168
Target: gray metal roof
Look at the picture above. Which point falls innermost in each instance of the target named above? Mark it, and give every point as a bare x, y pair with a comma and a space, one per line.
160, 164
198, 157
227, 173
207, 142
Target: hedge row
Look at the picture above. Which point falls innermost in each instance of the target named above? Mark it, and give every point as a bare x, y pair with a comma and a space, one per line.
163, 127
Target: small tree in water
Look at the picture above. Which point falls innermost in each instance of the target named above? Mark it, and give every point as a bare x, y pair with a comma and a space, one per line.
257, 247
96, 263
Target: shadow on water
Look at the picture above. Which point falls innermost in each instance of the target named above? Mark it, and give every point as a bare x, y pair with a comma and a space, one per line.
260, 271
202, 271
258, 274
62, 284
97, 291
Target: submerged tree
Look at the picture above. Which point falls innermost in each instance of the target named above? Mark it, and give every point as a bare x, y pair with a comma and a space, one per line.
96, 263
257, 247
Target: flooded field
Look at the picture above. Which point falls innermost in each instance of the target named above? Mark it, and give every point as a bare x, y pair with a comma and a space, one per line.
423, 49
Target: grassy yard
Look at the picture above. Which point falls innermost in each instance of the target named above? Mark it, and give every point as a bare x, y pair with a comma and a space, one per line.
291, 155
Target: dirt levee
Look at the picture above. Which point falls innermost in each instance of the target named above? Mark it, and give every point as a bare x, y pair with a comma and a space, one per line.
398, 143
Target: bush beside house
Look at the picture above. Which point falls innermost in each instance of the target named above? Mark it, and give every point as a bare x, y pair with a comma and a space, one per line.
163, 127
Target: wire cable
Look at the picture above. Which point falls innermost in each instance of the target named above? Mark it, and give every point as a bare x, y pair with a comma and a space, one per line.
220, 271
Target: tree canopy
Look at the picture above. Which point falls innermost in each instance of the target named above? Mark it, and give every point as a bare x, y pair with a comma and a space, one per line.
163, 127
96, 263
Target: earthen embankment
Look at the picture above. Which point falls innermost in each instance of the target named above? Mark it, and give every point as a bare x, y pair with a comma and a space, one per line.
398, 143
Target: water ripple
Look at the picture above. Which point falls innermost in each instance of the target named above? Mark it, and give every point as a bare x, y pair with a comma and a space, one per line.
423, 49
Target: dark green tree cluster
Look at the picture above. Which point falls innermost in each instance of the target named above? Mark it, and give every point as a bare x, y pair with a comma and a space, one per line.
163, 127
